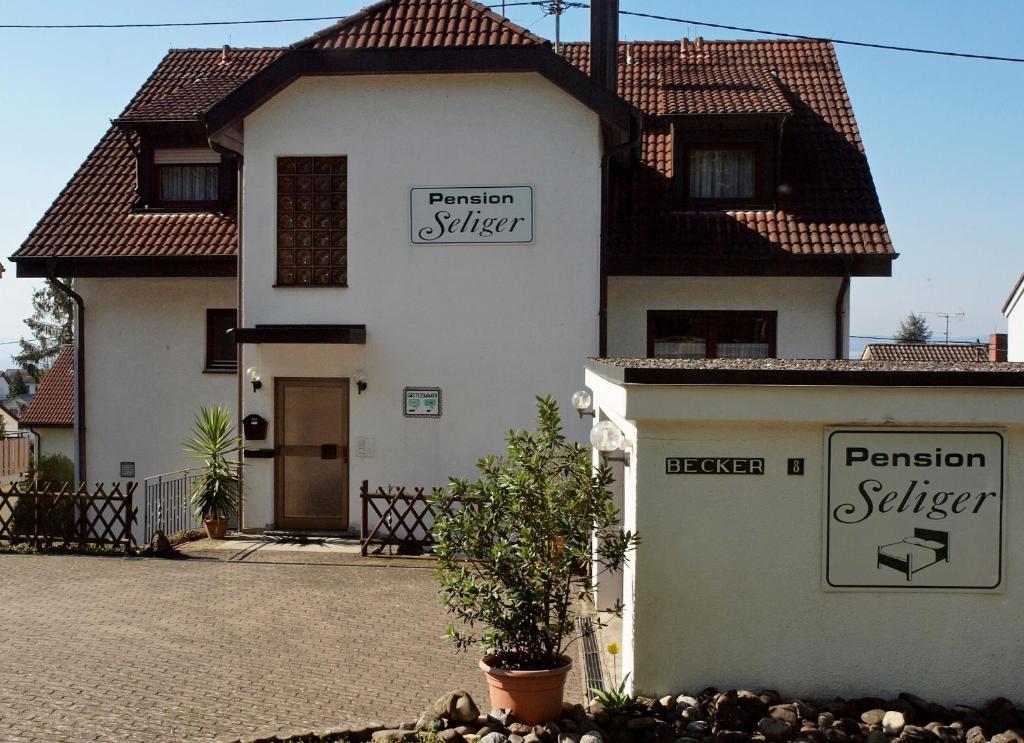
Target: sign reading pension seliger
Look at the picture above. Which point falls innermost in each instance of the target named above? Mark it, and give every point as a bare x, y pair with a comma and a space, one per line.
914, 509
471, 214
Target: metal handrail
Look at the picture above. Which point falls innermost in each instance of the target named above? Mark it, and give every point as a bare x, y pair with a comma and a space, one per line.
167, 500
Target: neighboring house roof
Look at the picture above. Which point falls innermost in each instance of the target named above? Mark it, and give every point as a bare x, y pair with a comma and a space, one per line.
11, 410
954, 352
831, 210
421, 23
54, 403
1013, 293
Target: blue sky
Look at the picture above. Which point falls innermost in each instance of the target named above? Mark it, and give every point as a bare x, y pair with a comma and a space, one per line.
943, 135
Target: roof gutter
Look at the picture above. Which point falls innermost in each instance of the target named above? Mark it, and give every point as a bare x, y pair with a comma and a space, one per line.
80, 470
841, 296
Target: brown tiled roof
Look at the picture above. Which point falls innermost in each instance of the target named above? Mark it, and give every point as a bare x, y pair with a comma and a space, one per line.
421, 23
833, 207
54, 402
92, 217
951, 352
188, 81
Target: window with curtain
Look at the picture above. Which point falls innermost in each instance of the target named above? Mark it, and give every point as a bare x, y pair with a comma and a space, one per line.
188, 183
727, 174
725, 334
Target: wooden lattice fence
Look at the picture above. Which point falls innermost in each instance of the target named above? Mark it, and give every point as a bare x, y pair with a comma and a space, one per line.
46, 515
395, 517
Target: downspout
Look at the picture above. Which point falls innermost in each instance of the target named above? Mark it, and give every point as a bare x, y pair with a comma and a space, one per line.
632, 143
79, 372
844, 290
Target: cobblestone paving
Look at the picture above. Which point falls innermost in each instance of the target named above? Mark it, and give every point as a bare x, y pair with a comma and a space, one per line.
111, 649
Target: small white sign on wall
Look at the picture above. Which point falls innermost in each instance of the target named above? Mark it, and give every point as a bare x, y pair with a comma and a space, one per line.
471, 214
422, 402
914, 510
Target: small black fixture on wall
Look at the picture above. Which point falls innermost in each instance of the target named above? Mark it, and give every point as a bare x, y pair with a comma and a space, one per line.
359, 377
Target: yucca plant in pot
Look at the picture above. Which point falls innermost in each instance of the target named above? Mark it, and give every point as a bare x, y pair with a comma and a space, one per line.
216, 491
514, 557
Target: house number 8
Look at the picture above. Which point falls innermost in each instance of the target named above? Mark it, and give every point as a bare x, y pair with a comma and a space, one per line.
796, 467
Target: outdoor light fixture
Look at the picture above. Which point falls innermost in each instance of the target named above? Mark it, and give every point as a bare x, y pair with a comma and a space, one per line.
606, 437
359, 377
254, 377
581, 400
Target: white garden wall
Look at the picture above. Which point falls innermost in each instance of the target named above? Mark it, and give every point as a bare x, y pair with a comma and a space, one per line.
726, 586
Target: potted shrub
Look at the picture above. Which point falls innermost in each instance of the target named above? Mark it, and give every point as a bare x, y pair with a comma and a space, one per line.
514, 553
217, 489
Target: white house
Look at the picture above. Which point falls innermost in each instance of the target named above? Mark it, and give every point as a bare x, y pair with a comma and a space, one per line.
379, 244
1014, 314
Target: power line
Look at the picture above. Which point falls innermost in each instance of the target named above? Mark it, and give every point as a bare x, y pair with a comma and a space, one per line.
539, 3
846, 42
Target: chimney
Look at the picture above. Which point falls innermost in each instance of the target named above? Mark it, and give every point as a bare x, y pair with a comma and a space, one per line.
224, 54
997, 347
604, 43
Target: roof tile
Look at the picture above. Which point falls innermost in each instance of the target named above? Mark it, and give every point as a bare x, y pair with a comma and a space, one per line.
953, 352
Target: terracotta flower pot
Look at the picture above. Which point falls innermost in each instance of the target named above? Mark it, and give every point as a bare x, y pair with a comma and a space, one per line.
216, 528
532, 696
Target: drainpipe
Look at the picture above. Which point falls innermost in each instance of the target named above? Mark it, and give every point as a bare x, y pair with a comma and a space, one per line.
79, 372
631, 144
844, 290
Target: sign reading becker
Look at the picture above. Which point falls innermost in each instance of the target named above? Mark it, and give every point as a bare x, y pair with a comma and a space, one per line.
914, 509
471, 214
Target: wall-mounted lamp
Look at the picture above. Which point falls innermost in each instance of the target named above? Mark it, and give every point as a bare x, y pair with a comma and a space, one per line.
254, 377
359, 377
581, 400
606, 437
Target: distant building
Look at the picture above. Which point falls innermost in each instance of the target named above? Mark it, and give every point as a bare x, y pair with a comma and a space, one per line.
1015, 321
994, 350
7, 377
51, 413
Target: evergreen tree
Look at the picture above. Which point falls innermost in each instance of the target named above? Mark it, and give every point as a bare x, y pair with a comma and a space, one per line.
913, 329
16, 385
52, 325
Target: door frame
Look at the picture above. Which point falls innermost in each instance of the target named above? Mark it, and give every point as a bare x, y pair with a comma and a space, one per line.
280, 383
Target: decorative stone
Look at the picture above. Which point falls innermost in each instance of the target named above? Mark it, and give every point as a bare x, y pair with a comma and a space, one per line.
873, 716
876, 736
775, 729
513, 738
567, 725
975, 735
450, 735
595, 707
494, 737
531, 738
696, 729
500, 716
471, 738
825, 720
786, 712
732, 736
518, 728
1010, 736
592, 736
804, 710
691, 713
393, 736
640, 723
429, 723
682, 740
893, 722
685, 701
456, 706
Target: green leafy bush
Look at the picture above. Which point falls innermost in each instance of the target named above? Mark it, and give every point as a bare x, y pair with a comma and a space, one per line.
514, 547
55, 515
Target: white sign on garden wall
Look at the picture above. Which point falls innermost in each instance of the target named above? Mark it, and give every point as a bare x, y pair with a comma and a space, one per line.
914, 509
471, 214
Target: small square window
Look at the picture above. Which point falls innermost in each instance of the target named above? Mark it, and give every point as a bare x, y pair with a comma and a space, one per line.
188, 184
721, 174
221, 349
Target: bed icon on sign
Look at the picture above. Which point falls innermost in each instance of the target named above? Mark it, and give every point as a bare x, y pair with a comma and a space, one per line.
925, 548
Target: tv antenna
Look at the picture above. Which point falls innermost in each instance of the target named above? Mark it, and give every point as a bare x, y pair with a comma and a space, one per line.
947, 316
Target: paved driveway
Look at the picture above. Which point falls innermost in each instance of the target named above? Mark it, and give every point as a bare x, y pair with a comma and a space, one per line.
151, 650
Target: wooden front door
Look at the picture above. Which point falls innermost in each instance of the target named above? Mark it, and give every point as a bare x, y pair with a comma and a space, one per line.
311, 458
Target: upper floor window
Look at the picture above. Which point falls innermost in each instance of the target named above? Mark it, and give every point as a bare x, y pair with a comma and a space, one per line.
187, 177
723, 174
724, 334
312, 221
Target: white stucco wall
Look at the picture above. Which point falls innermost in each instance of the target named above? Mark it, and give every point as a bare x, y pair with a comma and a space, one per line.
492, 325
805, 306
725, 588
145, 352
55, 440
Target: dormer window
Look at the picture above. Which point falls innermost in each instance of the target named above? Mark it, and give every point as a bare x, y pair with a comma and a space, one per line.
724, 174
188, 178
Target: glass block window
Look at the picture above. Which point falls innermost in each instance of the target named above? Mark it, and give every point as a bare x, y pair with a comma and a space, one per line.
312, 221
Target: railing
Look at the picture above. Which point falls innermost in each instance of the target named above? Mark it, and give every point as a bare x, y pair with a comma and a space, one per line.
15, 454
395, 517
44, 515
168, 506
